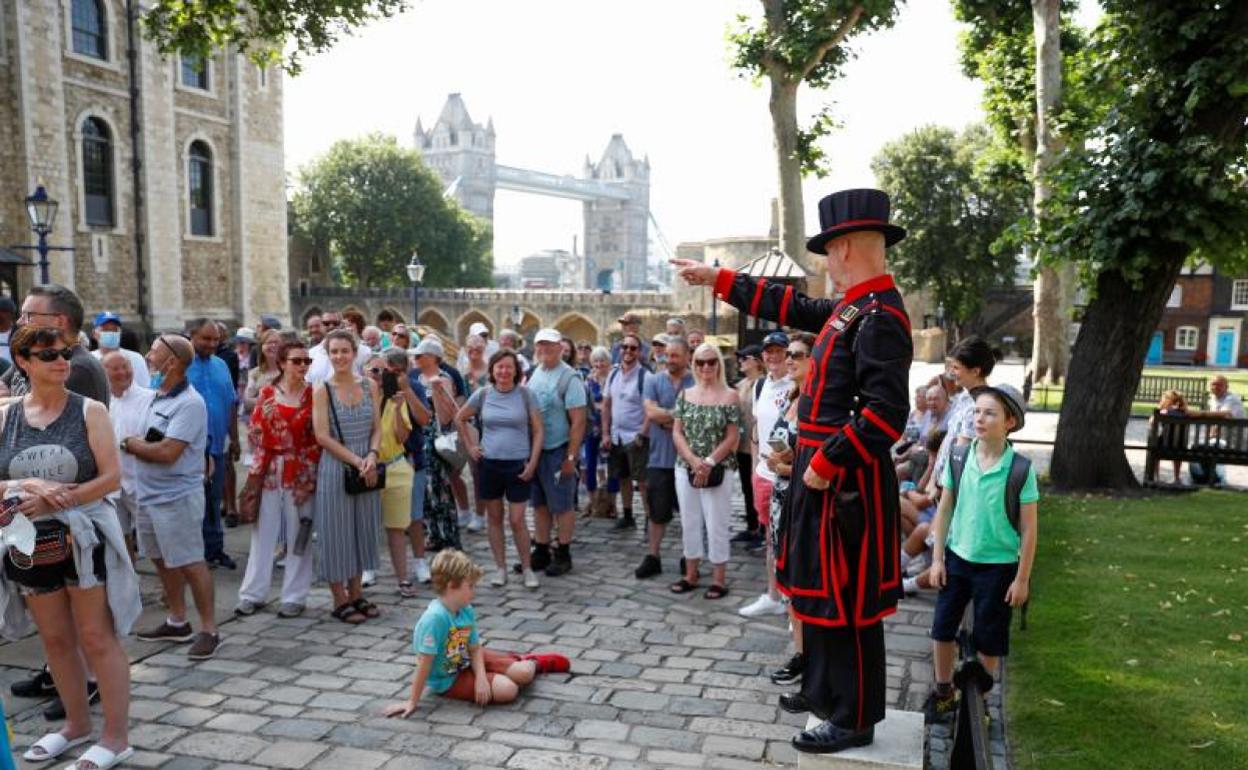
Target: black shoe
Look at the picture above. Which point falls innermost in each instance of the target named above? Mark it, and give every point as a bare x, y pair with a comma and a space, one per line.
790, 672
796, 703
55, 711
941, 708
539, 559
222, 560
562, 562
231, 520
682, 566
827, 738
625, 522
38, 686
756, 545
745, 536
650, 566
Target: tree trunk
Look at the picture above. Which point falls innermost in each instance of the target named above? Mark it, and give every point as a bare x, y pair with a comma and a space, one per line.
783, 106
1104, 374
1050, 349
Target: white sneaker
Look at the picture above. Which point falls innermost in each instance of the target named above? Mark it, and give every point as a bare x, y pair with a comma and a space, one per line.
909, 586
763, 605
476, 523
422, 571
499, 578
918, 564
369, 578
465, 517
530, 580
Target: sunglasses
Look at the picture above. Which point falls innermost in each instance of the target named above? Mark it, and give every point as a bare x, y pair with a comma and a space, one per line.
299, 361
796, 355
48, 355
629, 347
707, 362
331, 324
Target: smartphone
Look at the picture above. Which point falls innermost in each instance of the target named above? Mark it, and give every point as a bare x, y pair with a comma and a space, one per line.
153, 435
389, 384
777, 444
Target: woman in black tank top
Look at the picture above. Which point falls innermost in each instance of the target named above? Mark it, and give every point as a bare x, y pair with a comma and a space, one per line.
57, 454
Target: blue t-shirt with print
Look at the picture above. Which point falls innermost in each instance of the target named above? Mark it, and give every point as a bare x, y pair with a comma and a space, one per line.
447, 638
544, 383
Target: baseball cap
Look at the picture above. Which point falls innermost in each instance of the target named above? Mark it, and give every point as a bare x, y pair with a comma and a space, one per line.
548, 335
245, 334
478, 328
270, 322
776, 338
105, 317
629, 318
1011, 398
430, 346
659, 339
750, 351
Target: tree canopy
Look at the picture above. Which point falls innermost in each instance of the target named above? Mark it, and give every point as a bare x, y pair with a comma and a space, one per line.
956, 196
373, 203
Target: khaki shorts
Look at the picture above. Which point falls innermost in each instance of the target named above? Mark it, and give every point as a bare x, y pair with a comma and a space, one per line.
174, 531
127, 510
628, 461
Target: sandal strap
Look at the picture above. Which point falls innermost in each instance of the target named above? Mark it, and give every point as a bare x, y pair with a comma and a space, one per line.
101, 757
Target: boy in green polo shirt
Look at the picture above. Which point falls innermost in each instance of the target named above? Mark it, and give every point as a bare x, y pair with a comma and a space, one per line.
985, 542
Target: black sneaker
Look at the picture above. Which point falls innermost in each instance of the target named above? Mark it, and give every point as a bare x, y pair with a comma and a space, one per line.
790, 672
222, 560
941, 708
744, 536
562, 563
650, 566
625, 522
38, 686
55, 711
540, 558
231, 520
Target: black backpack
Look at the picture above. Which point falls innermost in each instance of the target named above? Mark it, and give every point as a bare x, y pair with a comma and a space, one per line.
1019, 469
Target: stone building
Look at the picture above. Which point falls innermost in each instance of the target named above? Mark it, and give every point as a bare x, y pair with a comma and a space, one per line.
169, 170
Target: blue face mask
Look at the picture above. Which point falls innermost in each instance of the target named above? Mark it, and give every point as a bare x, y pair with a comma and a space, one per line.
156, 380
110, 340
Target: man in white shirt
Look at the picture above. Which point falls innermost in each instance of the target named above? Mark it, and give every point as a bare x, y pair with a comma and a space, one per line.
320, 370
127, 410
1222, 403
491, 346
771, 398
107, 333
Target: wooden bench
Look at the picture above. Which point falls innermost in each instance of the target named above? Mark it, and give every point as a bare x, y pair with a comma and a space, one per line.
1152, 386
1212, 440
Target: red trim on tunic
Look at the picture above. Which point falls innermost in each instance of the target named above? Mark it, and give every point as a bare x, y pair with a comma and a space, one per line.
816, 428
784, 305
879, 423
821, 465
905, 320
859, 290
758, 296
817, 390
723, 283
852, 435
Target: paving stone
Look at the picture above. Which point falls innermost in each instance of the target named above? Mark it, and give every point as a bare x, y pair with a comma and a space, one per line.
153, 736
351, 759
641, 701
537, 759
697, 706
413, 745
481, 752
223, 747
237, 723
289, 694
598, 729
663, 738
340, 701
290, 754
188, 716
303, 729
749, 748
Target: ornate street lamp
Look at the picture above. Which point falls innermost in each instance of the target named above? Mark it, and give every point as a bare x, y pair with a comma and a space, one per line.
41, 210
415, 274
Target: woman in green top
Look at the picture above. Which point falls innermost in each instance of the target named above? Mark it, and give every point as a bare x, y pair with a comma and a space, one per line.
705, 432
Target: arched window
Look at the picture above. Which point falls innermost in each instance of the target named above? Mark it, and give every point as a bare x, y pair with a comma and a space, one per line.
97, 172
88, 27
199, 188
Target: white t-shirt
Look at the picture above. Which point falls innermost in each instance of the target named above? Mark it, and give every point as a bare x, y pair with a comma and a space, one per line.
127, 413
321, 369
961, 423
461, 363
1229, 403
768, 410
137, 362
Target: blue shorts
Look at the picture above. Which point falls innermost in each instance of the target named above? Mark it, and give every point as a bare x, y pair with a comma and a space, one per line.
554, 495
497, 479
986, 584
927, 514
420, 481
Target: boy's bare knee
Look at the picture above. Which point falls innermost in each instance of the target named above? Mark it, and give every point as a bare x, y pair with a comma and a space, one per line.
522, 672
504, 690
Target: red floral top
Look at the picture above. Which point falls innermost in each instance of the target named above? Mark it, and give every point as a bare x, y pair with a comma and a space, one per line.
286, 431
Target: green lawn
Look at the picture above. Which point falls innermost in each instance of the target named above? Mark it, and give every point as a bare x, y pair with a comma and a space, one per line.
1136, 653
1048, 398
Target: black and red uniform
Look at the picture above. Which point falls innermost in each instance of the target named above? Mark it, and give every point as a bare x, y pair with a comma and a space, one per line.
838, 548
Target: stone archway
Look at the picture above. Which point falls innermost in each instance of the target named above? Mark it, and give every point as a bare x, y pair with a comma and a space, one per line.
530, 322
468, 319
435, 319
578, 328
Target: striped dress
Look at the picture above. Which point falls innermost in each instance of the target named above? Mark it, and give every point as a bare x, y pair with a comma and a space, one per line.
348, 526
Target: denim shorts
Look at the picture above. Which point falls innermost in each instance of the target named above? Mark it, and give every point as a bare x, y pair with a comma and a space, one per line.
551, 489
986, 584
420, 480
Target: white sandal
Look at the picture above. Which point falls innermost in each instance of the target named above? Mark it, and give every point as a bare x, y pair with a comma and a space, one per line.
101, 758
53, 745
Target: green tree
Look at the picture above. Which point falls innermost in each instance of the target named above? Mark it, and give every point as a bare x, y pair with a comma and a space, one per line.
262, 28
1162, 175
957, 197
796, 42
372, 203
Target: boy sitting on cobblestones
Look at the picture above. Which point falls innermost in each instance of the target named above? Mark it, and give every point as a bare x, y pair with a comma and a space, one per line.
985, 540
450, 659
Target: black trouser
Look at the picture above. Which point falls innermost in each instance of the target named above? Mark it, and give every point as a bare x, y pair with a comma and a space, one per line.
745, 471
844, 678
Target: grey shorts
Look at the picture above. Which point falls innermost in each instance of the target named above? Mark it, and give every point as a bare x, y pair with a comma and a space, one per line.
555, 495
173, 531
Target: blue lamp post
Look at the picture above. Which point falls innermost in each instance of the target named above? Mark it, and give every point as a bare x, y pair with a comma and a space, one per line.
415, 274
41, 210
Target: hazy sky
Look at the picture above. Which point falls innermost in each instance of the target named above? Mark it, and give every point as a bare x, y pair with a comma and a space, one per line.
560, 76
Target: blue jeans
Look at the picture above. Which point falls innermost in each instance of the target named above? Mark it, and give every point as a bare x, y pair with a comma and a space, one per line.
214, 489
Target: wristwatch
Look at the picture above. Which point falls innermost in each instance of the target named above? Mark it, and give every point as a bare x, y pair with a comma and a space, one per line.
122, 445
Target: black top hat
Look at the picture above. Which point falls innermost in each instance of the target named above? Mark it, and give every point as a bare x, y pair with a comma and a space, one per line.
849, 211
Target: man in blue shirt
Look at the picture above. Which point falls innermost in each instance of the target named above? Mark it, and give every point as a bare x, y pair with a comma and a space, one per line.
210, 377
660, 392
561, 394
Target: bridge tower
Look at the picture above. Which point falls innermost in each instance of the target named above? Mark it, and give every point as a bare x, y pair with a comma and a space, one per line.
462, 154
616, 229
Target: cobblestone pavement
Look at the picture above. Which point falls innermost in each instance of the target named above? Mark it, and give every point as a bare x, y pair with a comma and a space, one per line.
658, 680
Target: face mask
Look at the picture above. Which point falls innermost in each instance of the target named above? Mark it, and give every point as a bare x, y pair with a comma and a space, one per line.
156, 380
110, 340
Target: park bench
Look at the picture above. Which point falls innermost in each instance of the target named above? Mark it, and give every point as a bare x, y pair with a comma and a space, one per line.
1216, 440
1153, 385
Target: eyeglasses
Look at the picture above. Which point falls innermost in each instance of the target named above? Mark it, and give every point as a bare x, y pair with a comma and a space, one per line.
26, 314
47, 355
629, 347
330, 324
796, 355
299, 361
709, 363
